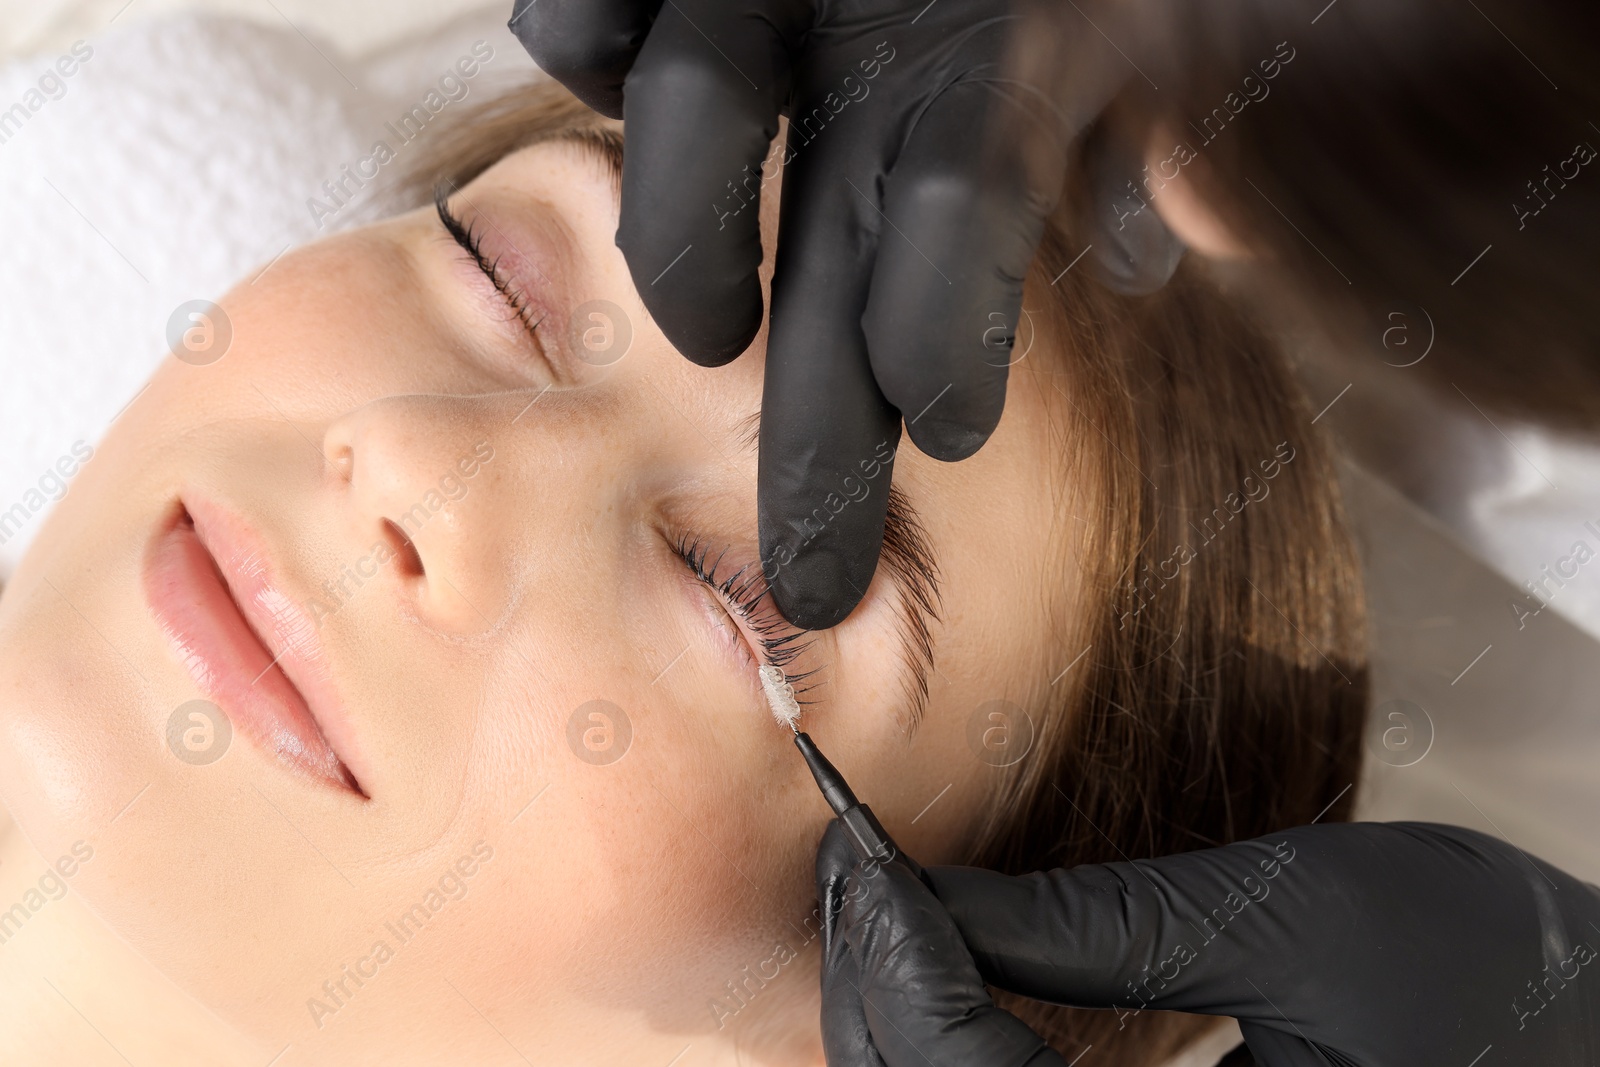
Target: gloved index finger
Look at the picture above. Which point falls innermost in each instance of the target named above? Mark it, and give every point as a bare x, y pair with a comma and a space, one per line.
1166, 932
702, 111
1334, 934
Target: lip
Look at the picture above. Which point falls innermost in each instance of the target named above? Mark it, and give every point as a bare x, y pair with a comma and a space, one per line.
245, 643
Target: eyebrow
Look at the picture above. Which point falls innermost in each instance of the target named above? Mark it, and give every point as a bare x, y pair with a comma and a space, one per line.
910, 560
604, 145
913, 568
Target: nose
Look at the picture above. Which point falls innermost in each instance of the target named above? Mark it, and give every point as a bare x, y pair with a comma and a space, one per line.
418, 474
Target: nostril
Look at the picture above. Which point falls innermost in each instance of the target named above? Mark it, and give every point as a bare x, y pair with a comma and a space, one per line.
405, 553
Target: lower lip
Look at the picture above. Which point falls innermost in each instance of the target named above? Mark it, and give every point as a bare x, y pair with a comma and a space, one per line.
226, 659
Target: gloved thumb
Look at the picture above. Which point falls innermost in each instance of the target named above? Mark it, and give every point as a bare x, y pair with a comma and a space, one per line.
894, 961
846, 1037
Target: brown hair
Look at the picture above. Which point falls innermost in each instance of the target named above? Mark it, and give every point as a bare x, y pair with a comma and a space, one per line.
1223, 684
481, 136
1223, 689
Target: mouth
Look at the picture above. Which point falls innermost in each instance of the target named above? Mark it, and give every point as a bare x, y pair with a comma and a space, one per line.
246, 644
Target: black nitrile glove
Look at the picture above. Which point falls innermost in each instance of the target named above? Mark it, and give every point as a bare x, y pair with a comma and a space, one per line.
1364, 944
907, 223
899, 989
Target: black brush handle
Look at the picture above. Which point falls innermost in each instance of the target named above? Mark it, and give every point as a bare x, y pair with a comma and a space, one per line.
867, 835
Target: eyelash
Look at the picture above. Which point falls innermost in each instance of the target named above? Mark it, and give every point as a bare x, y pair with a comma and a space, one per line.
744, 593
471, 243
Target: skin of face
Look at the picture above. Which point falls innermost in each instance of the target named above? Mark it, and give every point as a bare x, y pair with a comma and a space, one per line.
611, 907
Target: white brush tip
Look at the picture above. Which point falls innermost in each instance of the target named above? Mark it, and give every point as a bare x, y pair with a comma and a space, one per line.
780, 696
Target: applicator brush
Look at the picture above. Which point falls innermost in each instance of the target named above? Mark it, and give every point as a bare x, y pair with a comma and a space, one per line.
867, 835
780, 697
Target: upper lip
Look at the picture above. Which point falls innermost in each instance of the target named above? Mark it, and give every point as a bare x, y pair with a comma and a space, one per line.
283, 628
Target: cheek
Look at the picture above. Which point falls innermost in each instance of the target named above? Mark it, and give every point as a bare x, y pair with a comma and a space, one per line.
685, 849
329, 326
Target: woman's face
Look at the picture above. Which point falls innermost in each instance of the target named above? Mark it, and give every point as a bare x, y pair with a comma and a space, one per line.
497, 753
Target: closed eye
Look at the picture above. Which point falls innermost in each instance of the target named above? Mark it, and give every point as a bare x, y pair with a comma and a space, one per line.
471, 243
743, 594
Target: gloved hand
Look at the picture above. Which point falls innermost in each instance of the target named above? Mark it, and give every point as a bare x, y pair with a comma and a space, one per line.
908, 225
1356, 944
899, 987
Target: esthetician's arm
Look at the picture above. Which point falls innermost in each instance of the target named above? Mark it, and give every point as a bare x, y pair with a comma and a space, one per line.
909, 223
1364, 944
